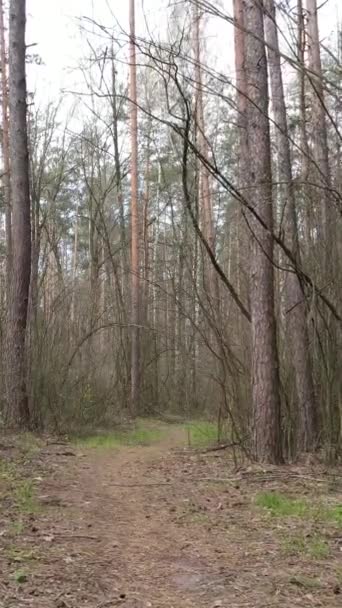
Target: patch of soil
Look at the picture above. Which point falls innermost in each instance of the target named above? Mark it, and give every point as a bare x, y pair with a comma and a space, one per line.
159, 527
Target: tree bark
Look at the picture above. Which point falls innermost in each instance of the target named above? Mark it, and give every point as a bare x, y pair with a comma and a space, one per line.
145, 240
265, 372
297, 331
205, 206
318, 127
135, 266
74, 265
118, 182
5, 150
241, 95
305, 156
242, 241
17, 412
241, 86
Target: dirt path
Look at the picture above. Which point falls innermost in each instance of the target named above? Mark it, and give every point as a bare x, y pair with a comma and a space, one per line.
145, 554
155, 527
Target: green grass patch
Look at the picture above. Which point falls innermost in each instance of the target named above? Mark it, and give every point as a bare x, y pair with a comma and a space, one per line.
20, 576
201, 433
315, 547
16, 528
30, 443
25, 498
20, 491
142, 434
338, 573
198, 518
334, 515
7, 471
318, 548
103, 440
280, 505
149, 432
20, 555
306, 582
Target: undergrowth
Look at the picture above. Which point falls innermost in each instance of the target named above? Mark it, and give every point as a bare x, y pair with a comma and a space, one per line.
280, 505
307, 582
148, 432
313, 543
315, 547
141, 434
20, 491
201, 433
25, 497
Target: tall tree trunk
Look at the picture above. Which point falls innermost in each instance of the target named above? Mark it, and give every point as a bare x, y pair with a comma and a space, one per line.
205, 206
17, 399
145, 242
5, 149
94, 262
241, 233
118, 183
241, 86
74, 265
318, 127
135, 266
36, 236
265, 372
327, 219
243, 154
297, 330
305, 160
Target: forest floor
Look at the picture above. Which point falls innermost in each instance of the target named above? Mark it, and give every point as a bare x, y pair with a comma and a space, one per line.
141, 520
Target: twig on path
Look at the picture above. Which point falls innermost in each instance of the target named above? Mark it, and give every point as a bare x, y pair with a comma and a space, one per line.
224, 446
65, 453
177, 481
112, 602
62, 602
75, 536
266, 476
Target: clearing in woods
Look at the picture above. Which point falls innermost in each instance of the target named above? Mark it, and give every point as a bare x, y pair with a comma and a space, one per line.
141, 520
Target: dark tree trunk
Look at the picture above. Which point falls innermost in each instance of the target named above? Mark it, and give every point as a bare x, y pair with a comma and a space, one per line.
5, 150
205, 199
297, 331
17, 412
318, 130
135, 265
265, 372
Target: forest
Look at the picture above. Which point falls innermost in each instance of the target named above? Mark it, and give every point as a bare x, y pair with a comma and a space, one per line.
171, 283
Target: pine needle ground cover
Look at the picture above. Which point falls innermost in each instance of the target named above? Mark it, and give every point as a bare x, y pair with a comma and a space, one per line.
141, 518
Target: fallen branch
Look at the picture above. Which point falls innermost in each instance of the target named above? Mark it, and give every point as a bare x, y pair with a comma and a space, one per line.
272, 476
224, 446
